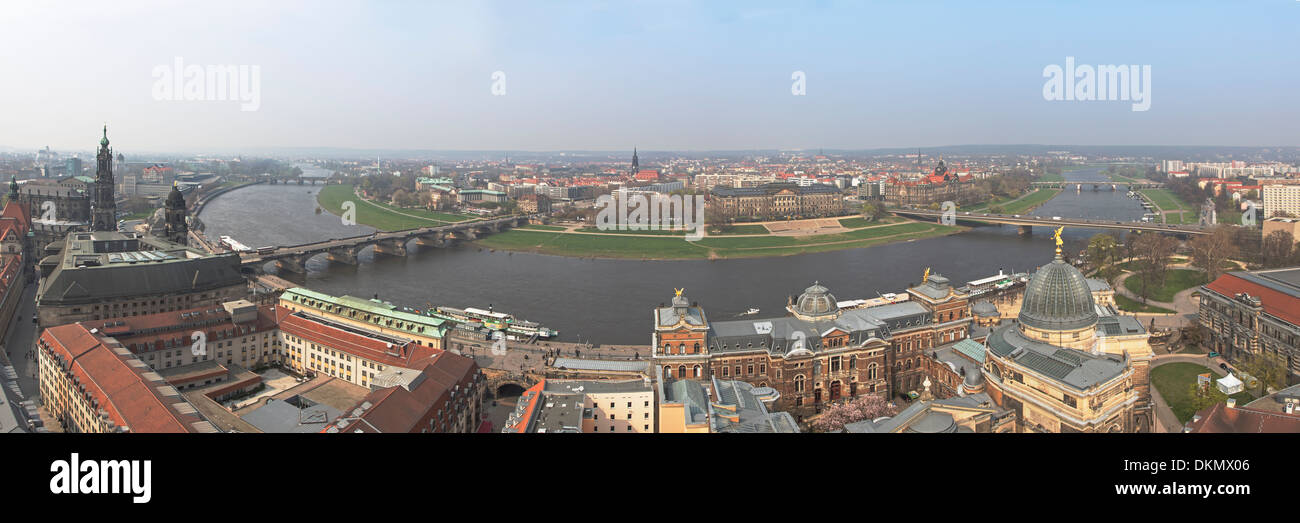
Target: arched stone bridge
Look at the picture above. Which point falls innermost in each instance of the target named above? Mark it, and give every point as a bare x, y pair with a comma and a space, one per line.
293, 258
1027, 222
499, 381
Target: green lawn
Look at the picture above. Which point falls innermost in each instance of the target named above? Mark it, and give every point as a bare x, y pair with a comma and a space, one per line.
856, 223
381, 216
1135, 265
1174, 381
539, 227
658, 247
1128, 305
1050, 177
644, 232
743, 229
1175, 280
1167, 201
1019, 205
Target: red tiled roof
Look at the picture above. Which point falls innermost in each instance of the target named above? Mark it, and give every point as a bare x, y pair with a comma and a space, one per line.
531, 408
407, 356
396, 409
152, 331
1276, 303
1221, 419
122, 391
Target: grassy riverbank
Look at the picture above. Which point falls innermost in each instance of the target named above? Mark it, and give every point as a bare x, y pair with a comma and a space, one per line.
663, 248
383, 216
1018, 205
1171, 204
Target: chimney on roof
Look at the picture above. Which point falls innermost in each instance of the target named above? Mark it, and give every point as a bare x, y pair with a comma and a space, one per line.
1232, 403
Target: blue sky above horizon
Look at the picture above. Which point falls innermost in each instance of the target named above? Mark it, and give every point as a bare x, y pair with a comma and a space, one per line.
670, 75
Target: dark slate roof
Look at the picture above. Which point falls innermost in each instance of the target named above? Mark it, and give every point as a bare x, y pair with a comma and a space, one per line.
753, 416
91, 284
669, 316
776, 335
1077, 369
1119, 326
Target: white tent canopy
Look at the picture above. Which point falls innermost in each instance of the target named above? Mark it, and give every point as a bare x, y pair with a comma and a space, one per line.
1230, 384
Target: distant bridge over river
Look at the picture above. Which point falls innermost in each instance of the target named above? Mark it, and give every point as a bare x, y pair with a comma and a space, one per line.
1026, 222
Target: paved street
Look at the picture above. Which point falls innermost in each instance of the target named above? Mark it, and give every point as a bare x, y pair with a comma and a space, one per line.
19, 342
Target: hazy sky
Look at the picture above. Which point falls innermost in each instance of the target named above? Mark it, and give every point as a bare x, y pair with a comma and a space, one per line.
657, 75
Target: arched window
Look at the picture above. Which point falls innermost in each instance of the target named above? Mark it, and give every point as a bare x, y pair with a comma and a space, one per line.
871, 371
698, 371
668, 372
853, 362
681, 371
697, 348
798, 383
907, 365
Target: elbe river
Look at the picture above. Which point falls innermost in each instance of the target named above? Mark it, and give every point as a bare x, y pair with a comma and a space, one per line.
611, 300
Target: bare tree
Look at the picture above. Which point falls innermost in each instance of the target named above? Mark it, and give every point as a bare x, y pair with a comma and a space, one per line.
1277, 249
1210, 251
1153, 251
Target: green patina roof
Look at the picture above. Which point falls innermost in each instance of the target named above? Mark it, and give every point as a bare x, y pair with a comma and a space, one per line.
410, 322
971, 349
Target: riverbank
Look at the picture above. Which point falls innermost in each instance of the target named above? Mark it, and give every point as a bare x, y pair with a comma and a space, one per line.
1022, 204
383, 216
650, 247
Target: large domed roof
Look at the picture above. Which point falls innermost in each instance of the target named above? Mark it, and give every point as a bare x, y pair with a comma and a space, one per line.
1058, 298
816, 301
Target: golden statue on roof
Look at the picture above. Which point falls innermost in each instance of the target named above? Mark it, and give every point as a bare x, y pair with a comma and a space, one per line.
679, 291
925, 277
1057, 235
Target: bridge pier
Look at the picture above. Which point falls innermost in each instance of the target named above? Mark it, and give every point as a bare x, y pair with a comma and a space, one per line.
1026, 230
292, 264
391, 247
343, 255
437, 239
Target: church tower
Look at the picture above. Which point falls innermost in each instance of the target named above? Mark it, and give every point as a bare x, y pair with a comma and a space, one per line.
174, 212
103, 211
636, 165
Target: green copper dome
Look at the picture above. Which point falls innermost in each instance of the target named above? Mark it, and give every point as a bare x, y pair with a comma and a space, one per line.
1058, 298
104, 141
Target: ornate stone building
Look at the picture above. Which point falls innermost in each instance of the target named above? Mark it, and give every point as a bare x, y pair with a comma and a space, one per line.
103, 213
1066, 365
939, 186
169, 222
777, 201
819, 353
1254, 312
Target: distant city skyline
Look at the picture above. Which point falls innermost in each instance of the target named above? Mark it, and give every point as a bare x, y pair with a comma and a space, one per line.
660, 76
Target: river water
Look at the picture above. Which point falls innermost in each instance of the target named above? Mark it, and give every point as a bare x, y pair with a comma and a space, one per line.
610, 301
